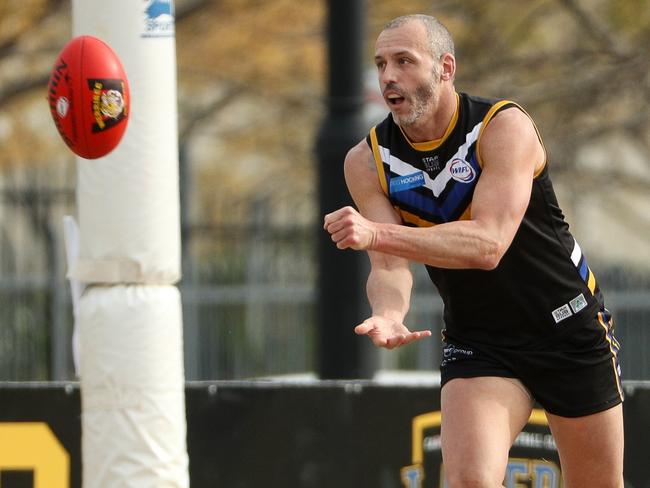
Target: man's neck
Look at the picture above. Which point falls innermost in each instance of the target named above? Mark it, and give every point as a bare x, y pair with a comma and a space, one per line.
434, 126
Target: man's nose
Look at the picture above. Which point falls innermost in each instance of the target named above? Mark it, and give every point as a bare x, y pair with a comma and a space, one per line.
388, 75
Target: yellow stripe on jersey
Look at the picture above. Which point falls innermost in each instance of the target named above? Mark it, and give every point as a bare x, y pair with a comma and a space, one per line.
591, 281
414, 219
491, 114
378, 162
488, 116
467, 214
420, 222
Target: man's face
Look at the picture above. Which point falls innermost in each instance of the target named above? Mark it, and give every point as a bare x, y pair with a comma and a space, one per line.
408, 78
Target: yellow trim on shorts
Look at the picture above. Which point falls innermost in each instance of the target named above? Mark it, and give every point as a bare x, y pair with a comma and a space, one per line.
614, 354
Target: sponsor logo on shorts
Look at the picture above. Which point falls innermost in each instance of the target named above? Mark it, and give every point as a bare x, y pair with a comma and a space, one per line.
561, 313
453, 353
578, 303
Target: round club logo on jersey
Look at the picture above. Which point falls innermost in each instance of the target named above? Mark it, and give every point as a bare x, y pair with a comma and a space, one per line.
462, 171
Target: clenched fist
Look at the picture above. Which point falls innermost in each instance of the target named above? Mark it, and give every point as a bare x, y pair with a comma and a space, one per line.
349, 229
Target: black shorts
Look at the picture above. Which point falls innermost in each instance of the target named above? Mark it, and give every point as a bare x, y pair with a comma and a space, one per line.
578, 374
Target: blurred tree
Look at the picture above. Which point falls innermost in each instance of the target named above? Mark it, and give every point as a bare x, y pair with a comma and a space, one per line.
251, 80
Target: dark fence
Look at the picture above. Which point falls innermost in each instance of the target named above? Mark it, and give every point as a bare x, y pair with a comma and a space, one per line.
310, 435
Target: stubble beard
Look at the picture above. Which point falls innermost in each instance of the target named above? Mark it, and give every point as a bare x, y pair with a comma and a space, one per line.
423, 100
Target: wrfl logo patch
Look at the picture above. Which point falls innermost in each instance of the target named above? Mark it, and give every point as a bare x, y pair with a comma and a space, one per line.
462, 171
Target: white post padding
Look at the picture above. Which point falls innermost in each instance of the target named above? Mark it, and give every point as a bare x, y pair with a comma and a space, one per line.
128, 201
129, 316
132, 387
71, 239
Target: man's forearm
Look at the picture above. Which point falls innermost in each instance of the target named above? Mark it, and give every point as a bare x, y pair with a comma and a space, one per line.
389, 292
461, 244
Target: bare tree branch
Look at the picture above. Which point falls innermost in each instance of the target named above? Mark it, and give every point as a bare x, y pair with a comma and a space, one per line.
23, 86
51, 7
595, 29
194, 118
189, 8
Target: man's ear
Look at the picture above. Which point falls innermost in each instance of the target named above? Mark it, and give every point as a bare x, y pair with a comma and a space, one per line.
448, 65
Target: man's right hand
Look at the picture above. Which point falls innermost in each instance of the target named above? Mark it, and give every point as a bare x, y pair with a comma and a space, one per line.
388, 333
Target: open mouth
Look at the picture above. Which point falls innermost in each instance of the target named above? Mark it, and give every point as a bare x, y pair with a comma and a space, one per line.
394, 100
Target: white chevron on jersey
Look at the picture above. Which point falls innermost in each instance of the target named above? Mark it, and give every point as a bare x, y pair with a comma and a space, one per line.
576, 254
439, 183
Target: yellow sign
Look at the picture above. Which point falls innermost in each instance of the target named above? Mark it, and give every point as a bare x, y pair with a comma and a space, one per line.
32, 446
520, 472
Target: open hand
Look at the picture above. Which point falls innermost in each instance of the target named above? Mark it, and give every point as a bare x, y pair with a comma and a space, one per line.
388, 333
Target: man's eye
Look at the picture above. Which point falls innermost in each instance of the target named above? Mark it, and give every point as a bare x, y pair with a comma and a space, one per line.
404, 61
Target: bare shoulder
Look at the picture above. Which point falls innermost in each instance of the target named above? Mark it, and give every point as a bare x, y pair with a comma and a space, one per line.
508, 123
511, 134
359, 159
360, 170
362, 179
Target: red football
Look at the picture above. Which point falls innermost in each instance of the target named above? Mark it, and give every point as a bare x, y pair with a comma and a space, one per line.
89, 97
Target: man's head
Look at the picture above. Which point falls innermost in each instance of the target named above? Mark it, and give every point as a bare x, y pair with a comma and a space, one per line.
414, 55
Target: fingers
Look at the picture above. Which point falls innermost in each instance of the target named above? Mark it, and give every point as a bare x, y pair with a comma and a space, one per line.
404, 339
371, 329
343, 239
415, 336
337, 227
334, 217
364, 328
379, 339
348, 229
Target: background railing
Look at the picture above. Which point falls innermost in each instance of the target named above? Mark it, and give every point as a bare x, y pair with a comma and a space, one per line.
248, 294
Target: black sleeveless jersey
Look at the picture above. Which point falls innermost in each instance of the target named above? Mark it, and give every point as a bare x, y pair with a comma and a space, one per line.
542, 285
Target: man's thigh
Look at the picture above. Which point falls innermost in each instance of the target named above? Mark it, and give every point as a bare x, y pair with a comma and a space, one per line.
590, 448
481, 417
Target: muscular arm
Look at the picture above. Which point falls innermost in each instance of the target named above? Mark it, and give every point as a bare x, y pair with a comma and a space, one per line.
511, 152
390, 280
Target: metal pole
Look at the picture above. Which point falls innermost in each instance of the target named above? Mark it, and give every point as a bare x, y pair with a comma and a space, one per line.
342, 303
60, 346
191, 340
